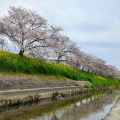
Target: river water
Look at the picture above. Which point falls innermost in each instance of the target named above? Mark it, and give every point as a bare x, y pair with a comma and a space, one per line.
85, 107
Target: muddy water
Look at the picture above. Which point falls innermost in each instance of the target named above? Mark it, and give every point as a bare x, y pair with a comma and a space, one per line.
85, 107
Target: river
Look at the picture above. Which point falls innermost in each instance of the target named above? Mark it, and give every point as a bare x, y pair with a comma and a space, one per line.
84, 107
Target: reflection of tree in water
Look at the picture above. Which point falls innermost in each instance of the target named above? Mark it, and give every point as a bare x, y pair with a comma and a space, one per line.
54, 117
81, 109
87, 106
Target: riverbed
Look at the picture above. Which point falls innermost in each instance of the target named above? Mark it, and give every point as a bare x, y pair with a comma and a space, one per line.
93, 106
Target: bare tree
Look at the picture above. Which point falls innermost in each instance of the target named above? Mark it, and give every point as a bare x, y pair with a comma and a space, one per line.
27, 29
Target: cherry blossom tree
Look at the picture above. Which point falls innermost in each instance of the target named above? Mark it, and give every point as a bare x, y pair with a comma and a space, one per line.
30, 32
27, 29
75, 58
61, 46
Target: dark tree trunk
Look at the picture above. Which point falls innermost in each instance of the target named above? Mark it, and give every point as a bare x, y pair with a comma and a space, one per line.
21, 52
58, 60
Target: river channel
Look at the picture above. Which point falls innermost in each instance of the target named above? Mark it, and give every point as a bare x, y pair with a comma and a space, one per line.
84, 107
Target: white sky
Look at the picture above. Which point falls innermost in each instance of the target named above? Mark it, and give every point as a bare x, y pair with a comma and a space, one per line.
93, 24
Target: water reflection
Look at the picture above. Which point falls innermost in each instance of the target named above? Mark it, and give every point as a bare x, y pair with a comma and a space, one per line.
91, 108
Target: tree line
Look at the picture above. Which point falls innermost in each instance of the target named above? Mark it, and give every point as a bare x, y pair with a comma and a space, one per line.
32, 33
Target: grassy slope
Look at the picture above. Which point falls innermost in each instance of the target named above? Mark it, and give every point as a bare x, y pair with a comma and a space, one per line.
12, 63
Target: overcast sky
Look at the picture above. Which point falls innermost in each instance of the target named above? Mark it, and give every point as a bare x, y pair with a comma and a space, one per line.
93, 24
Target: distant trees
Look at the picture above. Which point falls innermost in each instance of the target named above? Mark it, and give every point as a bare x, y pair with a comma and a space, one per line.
31, 33
89, 63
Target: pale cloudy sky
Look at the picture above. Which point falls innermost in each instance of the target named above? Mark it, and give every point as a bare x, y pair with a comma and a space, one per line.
93, 24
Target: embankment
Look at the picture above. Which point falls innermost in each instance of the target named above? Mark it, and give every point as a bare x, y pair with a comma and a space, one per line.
24, 81
22, 88
16, 97
9, 94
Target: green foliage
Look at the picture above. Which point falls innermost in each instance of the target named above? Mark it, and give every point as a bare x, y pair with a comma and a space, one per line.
14, 63
86, 86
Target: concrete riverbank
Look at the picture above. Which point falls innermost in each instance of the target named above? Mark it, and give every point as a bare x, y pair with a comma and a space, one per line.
9, 94
114, 114
16, 97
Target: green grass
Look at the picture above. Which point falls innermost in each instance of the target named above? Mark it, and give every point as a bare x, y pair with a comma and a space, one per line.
12, 63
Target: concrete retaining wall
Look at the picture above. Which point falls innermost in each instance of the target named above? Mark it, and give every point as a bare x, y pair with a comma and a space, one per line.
23, 93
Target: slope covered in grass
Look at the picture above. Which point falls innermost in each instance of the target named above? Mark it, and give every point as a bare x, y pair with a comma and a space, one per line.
13, 63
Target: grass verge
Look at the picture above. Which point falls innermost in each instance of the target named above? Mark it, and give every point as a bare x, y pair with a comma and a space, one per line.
12, 63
